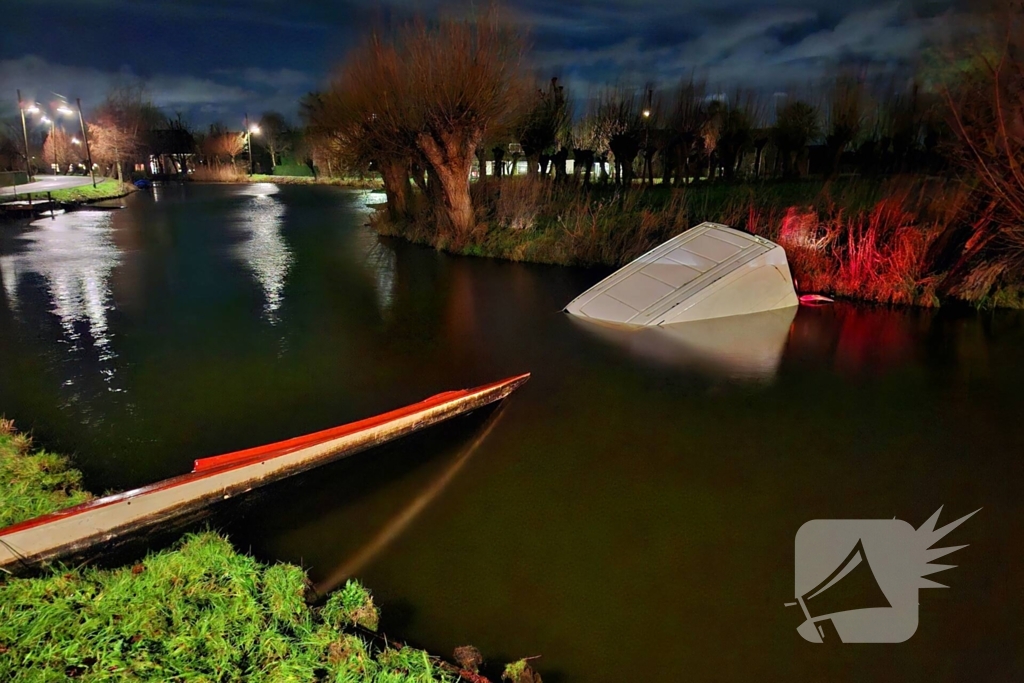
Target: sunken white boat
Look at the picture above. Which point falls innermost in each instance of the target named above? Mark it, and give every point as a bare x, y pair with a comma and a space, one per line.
710, 271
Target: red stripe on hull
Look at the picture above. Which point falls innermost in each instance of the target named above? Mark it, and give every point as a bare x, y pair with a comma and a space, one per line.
206, 467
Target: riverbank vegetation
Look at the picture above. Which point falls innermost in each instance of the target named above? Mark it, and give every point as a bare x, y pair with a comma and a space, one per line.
905, 191
199, 611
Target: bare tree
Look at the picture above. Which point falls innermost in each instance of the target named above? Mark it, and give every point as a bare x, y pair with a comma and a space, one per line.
686, 117
437, 86
986, 109
796, 125
618, 122
543, 124
274, 131
845, 115
121, 123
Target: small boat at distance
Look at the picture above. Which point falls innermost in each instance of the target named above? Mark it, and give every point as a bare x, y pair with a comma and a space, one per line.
74, 530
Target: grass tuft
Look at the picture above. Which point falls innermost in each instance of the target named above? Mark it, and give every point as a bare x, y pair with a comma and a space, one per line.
197, 612
33, 484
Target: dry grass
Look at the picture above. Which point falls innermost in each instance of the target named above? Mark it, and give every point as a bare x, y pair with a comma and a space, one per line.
218, 174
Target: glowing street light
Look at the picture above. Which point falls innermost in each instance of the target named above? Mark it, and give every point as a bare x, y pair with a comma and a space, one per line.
75, 141
31, 109
45, 119
64, 110
647, 113
254, 129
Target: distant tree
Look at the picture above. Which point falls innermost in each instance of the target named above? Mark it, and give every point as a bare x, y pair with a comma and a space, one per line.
736, 134
425, 96
120, 125
618, 122
845, 116
219, 144
903, 122
686, 115
544, 123
275, 134
58, 148
796, 125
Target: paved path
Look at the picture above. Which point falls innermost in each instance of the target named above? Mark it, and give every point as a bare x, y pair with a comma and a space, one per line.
50, 182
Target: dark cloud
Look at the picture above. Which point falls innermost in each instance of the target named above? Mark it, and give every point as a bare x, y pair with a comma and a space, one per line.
219, 59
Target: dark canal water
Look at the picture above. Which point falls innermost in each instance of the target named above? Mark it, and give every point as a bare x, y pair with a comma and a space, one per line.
629, 515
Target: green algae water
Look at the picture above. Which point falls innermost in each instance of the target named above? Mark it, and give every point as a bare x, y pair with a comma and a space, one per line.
629, 514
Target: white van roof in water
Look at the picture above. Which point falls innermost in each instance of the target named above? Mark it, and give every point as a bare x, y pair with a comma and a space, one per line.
710, 271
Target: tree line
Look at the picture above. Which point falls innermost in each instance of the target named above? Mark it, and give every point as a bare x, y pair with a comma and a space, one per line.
420, 102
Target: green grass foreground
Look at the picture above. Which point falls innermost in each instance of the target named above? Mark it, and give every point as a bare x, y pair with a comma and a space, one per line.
108, 188
200, 611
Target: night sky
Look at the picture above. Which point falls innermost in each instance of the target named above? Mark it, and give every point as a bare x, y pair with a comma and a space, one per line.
217, 60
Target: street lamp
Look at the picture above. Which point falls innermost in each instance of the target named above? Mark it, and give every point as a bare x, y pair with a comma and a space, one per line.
249, 132
31, 109
85, 136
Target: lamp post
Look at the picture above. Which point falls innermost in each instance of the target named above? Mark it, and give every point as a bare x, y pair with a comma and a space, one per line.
24, 131
249, 132
647, 136
85, 138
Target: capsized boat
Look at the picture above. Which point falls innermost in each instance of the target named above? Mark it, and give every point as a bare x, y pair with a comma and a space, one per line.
741, 347
101, 521
710, 271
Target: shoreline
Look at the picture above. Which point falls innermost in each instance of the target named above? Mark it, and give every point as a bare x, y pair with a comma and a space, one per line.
351, 183
866, 240
74, 197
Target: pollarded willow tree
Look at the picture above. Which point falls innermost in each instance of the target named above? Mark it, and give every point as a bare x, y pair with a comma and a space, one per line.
423, 97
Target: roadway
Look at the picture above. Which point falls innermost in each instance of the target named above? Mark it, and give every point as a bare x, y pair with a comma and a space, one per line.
45, 183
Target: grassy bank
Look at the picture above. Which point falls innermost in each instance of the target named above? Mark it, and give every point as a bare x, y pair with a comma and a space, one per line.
902, 241
354, 183
198, 612
107, 188
228, 174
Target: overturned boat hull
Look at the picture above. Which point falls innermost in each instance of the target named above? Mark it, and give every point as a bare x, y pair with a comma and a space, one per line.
71, 531
710, 271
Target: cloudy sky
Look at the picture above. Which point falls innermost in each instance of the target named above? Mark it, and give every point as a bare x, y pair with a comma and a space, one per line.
216, 60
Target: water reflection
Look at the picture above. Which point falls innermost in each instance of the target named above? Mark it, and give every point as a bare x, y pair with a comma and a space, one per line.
75, 255
739, 347
264, 250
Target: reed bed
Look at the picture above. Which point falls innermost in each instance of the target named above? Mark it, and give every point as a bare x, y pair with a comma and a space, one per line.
905, 240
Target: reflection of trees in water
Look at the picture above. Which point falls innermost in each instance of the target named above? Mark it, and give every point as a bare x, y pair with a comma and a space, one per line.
380, 262
75, 256
264, 250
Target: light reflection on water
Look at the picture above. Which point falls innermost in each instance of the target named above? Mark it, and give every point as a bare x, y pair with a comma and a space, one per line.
264, 250
75, 256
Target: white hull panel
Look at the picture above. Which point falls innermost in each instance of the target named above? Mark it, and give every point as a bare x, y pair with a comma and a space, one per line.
710, 271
